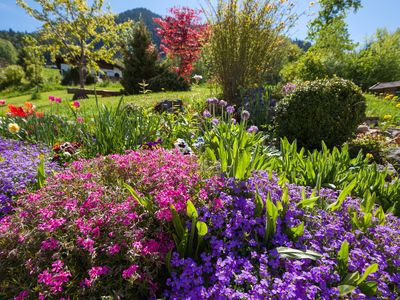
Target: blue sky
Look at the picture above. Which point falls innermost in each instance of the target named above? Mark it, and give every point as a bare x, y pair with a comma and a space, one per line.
374, 14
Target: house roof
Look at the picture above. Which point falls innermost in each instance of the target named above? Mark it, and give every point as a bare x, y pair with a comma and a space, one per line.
385, 85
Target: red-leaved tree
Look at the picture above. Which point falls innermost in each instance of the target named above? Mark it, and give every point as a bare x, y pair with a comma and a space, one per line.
182, 37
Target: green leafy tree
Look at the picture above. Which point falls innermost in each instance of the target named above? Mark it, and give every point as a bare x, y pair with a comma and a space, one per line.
140, 58
378, 61
327, 57
246, 37
34, 61
79, 31
329, 11
8, 54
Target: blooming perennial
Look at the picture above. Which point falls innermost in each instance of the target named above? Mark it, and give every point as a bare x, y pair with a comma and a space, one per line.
241, 264
18, 168
103, 242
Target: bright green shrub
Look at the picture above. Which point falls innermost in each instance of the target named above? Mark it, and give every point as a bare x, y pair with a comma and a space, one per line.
8, 54
11, 76
323, 110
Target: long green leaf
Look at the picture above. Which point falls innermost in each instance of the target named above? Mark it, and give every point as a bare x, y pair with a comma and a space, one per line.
286, 252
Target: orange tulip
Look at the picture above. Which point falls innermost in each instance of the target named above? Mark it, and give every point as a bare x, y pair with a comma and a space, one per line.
39, 114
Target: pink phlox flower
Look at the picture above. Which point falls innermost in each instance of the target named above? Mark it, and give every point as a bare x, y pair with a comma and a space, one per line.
129, 272
22, 295
114, 249
86, 244
49, 244
150, 246
95, 272
51, 224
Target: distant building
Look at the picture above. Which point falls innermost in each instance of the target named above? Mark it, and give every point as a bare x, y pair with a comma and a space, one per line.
111, 71
386, 88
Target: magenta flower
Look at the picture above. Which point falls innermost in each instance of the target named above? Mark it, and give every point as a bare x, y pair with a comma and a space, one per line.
49, 244
129, 272
114, 249
98, 271
52, 98
22, 295
57, 100
2, 102
76, 104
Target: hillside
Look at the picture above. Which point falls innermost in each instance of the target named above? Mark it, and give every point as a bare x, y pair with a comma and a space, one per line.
142, 13
133, 14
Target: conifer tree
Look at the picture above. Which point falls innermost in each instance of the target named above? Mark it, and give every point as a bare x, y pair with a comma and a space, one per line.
140, 58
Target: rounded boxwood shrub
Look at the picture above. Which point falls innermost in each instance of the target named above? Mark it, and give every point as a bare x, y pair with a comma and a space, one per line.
326, 110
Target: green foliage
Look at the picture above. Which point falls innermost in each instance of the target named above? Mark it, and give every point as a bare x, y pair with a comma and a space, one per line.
116, 129
329, 11
336, 169
8, 54
326, 58
369, 144
342, 196
48, 129
378, 61
168, 80
238, 152
322, 110
15, 37
71, 77
188, 243
286, 252
140, 58
33, 58
257, 103
41, 174
271, 216
245, 41
81, 32
11, 76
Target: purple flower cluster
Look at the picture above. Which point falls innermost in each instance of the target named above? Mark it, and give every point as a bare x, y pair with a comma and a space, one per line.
18, 168
241, 264
288, 88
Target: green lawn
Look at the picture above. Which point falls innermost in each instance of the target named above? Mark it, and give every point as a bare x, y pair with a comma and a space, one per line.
376, 106
379, 107
149, 100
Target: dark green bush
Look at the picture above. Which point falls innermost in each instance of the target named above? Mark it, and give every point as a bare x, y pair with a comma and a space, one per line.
168, 81
71, 77
326, 110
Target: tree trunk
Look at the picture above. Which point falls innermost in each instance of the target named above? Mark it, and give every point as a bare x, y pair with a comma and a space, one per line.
81, 66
